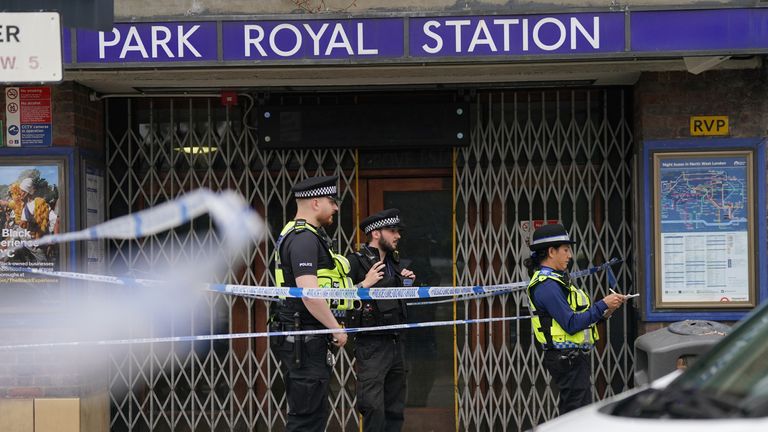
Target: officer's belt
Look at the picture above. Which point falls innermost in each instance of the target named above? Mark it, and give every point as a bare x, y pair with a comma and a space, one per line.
378, 336
306, 338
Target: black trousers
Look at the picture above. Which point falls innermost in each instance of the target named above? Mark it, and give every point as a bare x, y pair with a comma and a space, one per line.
381, 382
306, 387
571, 371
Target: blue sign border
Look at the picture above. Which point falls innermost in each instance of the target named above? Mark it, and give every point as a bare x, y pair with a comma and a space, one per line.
758, 145
640, 33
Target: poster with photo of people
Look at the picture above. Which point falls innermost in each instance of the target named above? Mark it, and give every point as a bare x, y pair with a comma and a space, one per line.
31, 207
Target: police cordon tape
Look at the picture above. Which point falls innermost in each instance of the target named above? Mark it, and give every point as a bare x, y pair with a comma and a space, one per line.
237, 221
240, 226
383, 293
273, 293
518, 285
229, 336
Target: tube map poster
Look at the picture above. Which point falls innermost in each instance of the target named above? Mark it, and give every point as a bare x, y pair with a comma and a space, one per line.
703, 222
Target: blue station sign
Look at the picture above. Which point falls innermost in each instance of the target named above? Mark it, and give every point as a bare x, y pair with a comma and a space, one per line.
421, 39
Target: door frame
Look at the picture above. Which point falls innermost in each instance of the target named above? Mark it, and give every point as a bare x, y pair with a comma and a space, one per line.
370, 193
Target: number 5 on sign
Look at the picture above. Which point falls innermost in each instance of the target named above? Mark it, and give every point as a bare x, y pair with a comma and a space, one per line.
30, 47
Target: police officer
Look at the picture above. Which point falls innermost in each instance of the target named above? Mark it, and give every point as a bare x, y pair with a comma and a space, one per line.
381, 374
564, 318
304, 258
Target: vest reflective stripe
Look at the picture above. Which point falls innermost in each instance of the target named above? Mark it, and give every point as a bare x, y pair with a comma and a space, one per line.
579, 302
326, 278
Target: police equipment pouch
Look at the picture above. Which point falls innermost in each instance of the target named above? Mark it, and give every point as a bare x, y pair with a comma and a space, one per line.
569, 356
388, 312
354, 316
330, 355
276, 341
368, 315
274, 325
299, 340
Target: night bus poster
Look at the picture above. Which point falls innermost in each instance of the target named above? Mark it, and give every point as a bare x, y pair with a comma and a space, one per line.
704, 229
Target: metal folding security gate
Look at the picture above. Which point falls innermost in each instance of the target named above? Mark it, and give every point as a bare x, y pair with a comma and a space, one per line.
221, 385
538, 156
534, 155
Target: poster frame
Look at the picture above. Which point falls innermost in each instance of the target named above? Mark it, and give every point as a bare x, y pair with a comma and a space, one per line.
88, 162
65, 158
653, 308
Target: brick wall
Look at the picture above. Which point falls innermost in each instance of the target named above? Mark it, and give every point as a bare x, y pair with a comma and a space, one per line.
665, 101
77, 122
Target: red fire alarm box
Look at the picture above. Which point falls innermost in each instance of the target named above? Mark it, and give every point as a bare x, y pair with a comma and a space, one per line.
228, 98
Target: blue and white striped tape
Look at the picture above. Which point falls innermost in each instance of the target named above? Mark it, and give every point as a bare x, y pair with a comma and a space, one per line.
293, 292
240, 227
383, 293
229, 336
238, 223
519, 286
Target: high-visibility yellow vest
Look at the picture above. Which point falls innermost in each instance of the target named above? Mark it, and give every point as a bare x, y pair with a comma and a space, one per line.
326, 278
546, 329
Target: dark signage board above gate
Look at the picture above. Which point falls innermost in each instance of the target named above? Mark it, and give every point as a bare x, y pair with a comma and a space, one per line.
402, 39
388, 125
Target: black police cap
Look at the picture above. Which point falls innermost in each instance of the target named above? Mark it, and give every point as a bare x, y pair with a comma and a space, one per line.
551, 235
314, 187
389, 218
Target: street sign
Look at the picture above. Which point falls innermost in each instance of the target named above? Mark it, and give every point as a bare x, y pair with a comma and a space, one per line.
30, 47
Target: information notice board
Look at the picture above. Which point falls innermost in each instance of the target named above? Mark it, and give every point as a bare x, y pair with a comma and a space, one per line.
704, 229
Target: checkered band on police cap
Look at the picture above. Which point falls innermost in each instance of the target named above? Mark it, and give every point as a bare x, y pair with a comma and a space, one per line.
389, 218
394, 221
319, 192
315, 187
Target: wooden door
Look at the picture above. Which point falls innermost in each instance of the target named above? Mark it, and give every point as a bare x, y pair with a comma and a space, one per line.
425, 206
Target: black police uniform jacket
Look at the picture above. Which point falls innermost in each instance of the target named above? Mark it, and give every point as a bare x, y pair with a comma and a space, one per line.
377, 312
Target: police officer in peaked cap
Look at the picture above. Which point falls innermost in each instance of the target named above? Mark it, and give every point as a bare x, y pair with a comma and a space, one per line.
304, 258
381, 373
564, 317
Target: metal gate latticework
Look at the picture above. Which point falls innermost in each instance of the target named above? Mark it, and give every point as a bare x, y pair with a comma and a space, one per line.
539, 155
221, 385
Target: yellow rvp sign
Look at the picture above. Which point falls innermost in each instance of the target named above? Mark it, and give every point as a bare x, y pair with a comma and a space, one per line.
709, 125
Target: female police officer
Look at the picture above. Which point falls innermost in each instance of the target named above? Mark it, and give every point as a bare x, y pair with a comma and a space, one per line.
564, 318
